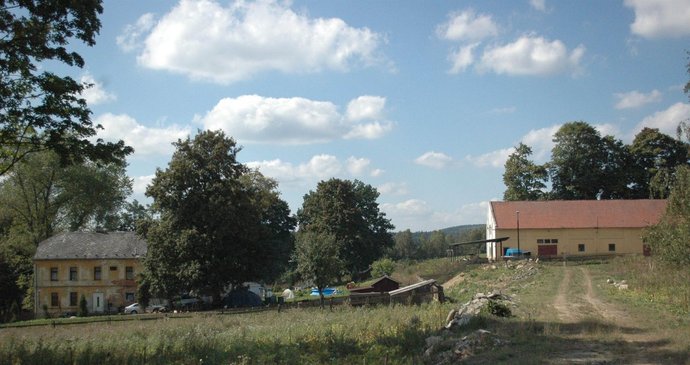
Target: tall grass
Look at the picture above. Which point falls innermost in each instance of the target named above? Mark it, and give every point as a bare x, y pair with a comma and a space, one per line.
301, 336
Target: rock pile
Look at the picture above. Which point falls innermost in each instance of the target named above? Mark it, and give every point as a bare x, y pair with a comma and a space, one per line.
471, 309
452, 350
621, 285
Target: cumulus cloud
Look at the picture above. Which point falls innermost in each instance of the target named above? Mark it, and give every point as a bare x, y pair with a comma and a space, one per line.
436, 160
538, 5
532, 55
660, 18
131, 36
139, 184
462, 58
393, 188
208, 41
319, 167
258, 119
491, 159
467, 26
417, 214
145, 140
95, 94
636, 99
666, 120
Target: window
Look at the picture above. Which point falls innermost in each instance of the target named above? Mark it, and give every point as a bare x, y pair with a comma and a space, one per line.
73, 299
73, 273
54, 300
96, 273
53, 274
547, 240
129, 273
540, 240
554, 240
113, 268
129, 297
581, 247
612, 247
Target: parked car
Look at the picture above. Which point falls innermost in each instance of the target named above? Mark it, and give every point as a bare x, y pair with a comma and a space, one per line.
134, 308
157, 308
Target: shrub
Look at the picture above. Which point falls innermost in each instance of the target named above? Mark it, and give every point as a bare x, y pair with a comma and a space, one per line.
382, 267
83, 311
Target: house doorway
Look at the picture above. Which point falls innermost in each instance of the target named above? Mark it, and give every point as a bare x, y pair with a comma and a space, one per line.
98, 304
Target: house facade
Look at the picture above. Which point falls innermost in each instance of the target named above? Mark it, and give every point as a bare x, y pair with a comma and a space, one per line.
102, 267
571, 228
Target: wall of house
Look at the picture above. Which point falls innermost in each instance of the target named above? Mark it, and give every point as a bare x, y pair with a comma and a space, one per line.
114, 287
595, 240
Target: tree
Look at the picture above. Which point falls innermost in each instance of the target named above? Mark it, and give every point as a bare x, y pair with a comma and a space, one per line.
384, 266
348, 210
582, 163
132, 213
656, 157
670, 238
404, 246
524, 180
40, 110
217, 226
317, 254
434, 246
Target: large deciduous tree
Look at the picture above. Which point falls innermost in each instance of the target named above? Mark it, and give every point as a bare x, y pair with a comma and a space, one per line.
656, 157
219, 224
317, 254
39, 109
524, 180
348, 210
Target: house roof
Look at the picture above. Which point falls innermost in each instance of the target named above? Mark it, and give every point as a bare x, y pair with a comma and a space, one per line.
578, 213
91, 245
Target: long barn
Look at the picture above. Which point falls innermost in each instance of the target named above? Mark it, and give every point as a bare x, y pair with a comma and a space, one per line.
571, 227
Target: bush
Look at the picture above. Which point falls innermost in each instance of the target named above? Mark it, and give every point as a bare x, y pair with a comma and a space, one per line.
83, 311
499, 309
382, 267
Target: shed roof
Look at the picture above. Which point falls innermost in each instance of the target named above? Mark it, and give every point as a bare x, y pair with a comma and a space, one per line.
412, 287
578, 213
91, 245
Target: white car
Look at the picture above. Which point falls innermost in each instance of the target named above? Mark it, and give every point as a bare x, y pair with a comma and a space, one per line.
134, 308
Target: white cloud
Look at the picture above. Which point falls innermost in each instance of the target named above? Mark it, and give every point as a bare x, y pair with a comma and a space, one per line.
467, 26
416, 214
409, 208
130, 39
366, 107
538, 5
258, 119
139, 184
491, 159
436, 160
532, 55
541, 142
393, 188
376, 172
357, 166
660, 18
95, 94
636, 99
145, 140
666, 120
462, 58
319, 167
223, 44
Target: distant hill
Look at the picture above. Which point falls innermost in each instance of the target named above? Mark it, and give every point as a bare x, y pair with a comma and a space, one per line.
454, 232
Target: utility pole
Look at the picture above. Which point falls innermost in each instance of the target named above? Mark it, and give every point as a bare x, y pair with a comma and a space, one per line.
518, 233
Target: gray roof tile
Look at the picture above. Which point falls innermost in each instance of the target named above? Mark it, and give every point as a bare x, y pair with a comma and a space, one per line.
91, 245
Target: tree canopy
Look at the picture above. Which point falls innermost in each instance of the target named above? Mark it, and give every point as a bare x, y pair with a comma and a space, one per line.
524, 180
39, 109
348, 210
219, 223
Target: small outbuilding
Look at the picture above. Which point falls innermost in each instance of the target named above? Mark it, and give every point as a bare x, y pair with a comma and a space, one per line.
422, 292
383, 284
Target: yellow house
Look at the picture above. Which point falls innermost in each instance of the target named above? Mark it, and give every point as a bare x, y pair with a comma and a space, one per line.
571, 227
102, 267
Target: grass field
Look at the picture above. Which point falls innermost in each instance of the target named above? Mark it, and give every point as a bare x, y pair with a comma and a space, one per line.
562, 314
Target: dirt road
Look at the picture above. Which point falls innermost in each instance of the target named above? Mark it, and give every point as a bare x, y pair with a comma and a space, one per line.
604, 333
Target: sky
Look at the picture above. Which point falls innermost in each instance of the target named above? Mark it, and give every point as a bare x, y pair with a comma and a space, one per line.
423, 100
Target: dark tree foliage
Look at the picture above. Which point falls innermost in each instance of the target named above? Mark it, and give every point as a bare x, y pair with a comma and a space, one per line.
40, 110
586, 166
10, 292
405, 246
317, 254
656, 156
131, 213
217, 226
524, 180
348, 210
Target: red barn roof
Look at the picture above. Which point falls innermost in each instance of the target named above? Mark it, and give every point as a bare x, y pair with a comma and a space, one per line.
578, 213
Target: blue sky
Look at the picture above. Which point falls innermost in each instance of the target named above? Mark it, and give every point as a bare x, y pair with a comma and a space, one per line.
422, 99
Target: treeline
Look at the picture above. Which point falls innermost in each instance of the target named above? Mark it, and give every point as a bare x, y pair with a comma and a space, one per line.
584, 165
424, 245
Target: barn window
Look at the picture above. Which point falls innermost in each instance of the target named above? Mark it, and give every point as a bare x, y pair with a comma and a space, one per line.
54, 300
554, 240
73, 299
53, 274
113, 268
581, 247
96, 273
129, 273
612, 247
547, 240
540, 240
